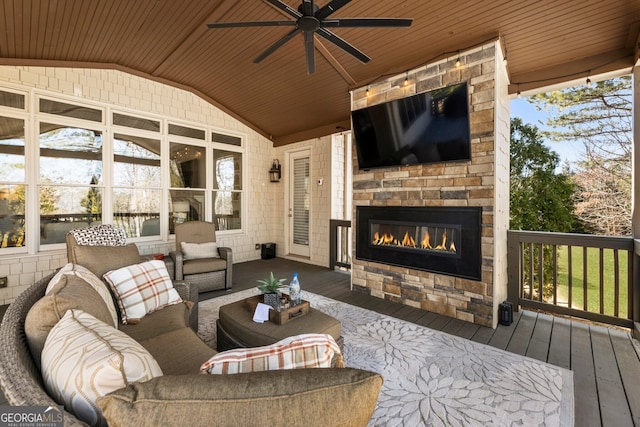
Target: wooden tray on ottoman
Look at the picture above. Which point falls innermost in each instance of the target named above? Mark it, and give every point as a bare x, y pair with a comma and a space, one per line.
279, 317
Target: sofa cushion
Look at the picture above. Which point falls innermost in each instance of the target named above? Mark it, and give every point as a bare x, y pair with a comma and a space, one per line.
299, 351
203, 265
100, 259
199, 250
170, 318
92, 280
84, 358
178, 352
315, 397
70, 292
141, 289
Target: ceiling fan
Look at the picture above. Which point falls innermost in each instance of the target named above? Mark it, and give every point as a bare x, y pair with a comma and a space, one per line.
311, 19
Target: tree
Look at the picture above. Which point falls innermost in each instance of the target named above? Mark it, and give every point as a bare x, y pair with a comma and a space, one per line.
92, 202
541, 199
600, 117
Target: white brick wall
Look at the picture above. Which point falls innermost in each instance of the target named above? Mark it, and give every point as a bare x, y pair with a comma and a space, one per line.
264, 220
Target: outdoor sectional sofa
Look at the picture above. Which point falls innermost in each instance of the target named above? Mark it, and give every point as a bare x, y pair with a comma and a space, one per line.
181, 395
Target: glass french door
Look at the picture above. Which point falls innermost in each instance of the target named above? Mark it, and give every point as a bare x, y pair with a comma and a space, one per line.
299, 203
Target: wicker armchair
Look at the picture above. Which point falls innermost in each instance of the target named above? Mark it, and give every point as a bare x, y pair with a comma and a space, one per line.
210, 272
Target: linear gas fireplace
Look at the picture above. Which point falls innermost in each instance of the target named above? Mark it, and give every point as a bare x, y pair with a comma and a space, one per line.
438, 239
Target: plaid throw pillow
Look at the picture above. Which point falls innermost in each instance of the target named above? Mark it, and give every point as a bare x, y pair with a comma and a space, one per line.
142, 289
298, 351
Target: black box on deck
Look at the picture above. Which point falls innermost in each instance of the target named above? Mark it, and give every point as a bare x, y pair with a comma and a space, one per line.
268, 250
505, 313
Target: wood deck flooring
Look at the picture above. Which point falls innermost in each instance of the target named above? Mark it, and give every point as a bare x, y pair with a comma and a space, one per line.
604, 360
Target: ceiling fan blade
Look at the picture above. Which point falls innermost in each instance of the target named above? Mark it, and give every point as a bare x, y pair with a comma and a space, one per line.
252, 24
342, 44
329, 8
276, 45
307, 7
285, 7
366, 22
310, 50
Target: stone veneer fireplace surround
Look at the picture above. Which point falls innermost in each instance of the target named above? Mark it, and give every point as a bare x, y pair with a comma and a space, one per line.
482, 183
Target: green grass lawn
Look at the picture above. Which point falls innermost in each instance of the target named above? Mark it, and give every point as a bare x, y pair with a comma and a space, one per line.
592, 280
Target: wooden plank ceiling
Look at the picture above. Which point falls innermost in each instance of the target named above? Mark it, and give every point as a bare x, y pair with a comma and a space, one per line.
546, 41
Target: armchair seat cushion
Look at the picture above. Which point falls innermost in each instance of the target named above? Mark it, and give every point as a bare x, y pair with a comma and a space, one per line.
203, 265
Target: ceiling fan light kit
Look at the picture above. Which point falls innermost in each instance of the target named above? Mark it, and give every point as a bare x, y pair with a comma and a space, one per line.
310, 20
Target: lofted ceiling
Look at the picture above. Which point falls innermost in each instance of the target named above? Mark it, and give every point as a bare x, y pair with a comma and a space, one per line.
546, 41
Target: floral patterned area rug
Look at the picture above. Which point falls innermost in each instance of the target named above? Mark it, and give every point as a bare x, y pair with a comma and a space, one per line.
435, 379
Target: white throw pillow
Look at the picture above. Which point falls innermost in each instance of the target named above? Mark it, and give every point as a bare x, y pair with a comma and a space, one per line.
142, 289
200, 250
84, 358
298, 351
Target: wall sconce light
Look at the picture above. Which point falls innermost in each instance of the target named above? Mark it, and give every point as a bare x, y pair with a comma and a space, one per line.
275, 172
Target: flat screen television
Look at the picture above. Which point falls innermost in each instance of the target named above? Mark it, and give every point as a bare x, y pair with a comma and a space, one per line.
429, 127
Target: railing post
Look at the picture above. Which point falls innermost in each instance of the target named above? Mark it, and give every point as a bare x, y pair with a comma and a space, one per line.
635, 289
513, 269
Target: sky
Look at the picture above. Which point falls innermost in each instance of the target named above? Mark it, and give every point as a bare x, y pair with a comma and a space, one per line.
522, 108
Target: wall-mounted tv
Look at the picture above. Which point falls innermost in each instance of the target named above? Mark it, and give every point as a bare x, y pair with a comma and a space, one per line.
429, 127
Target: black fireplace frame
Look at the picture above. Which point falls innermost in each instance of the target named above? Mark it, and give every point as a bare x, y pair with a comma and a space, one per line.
467, 265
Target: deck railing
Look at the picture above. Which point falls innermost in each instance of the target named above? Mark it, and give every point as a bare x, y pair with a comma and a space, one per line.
340, 244
586, 276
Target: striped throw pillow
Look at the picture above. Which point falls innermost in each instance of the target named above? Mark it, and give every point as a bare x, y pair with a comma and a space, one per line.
298, 351
141, 289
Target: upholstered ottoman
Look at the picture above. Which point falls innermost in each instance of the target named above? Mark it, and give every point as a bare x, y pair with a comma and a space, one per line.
236, 327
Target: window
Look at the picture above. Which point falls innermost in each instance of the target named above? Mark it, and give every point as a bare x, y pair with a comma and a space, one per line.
70, 186
12, 182
137, 191
187, 170
227, 189
93, 165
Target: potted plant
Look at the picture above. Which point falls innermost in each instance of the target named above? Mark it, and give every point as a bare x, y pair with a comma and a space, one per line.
270, 289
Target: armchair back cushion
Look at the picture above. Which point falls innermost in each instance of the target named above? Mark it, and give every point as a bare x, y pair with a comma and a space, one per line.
195, 232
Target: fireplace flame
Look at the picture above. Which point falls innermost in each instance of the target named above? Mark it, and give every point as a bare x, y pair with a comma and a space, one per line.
426, 241
409, 242
442, 246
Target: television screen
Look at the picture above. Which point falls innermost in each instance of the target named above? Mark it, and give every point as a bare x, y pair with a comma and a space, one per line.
428, 127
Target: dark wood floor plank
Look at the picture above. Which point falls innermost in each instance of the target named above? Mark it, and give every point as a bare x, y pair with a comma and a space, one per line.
410, 314
560, 345
468, 330
483, 335
453, 326
439, 322
426, 319
587, 411
629, 367
521, 337
540, 338
614, 408
502, 335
